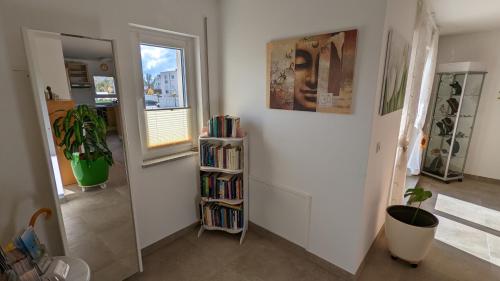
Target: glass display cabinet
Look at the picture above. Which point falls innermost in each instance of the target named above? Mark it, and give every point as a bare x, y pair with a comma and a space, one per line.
453, 113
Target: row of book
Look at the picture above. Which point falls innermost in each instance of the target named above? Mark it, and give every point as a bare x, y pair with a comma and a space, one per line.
221, 156
223, 126
24, 259
223, 215
221, 186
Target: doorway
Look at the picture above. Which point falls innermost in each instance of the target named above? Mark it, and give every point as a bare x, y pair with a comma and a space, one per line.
460, 128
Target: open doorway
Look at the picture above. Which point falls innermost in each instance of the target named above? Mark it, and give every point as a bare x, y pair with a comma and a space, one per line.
457, 155
77, 98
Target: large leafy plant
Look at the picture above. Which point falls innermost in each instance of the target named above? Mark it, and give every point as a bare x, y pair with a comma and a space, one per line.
417, 195
82, 132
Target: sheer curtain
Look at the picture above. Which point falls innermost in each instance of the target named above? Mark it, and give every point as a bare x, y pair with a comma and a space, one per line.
416, 149
424, 34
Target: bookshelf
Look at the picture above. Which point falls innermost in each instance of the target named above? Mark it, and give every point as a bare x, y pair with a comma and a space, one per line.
213, 199
78, 74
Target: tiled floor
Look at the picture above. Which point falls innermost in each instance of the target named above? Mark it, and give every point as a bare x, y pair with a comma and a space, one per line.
99, 226
218, 256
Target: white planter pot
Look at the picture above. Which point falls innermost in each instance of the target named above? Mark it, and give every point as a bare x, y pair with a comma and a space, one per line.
409, 242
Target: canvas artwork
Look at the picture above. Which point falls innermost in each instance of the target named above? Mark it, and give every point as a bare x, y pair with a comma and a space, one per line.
312, 73
395, 73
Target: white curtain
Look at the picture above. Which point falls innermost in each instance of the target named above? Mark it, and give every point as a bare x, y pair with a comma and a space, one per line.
416, 149
423, 35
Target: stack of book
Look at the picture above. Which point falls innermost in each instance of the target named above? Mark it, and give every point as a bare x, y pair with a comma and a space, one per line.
221, 186
223, 215
223, 126
219, 156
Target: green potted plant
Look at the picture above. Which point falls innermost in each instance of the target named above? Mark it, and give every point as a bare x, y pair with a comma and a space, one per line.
82, 135
410, 230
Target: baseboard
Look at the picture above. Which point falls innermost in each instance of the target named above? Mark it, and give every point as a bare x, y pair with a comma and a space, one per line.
169, 239
363, 262
483, 179
338, 272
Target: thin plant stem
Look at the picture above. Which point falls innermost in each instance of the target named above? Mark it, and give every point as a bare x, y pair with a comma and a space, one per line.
415, 215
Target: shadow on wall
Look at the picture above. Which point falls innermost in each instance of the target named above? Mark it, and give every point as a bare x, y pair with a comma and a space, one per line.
12, 227
257, 142
35, 15
27, 176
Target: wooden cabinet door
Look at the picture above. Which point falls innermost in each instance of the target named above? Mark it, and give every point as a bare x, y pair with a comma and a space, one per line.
64, 164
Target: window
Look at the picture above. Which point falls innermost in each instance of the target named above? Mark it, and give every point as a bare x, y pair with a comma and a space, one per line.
169, 123
105, 90
156, 60
104, 85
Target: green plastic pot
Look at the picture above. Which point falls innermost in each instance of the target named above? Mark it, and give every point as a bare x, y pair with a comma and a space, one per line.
89, 172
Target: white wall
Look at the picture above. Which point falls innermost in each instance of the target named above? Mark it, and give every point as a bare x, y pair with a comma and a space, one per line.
23, 169
48, 53
163, 195
400, 16
322, 155
484, 154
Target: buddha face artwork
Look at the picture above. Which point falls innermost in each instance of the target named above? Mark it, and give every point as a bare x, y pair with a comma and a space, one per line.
312, 73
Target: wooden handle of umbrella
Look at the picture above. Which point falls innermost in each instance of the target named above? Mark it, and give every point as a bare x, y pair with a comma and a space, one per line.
34, 217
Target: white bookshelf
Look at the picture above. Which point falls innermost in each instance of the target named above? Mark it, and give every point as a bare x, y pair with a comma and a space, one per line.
243, 143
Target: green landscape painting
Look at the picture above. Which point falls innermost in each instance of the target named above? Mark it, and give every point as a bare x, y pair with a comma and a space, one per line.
395, 73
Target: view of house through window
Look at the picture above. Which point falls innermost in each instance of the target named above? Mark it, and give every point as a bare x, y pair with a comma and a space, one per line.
168, 116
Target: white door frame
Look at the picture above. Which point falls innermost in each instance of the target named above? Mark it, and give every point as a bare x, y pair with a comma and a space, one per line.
42, 111
46, 130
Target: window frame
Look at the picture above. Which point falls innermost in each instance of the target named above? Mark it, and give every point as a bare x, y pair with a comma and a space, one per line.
192, 85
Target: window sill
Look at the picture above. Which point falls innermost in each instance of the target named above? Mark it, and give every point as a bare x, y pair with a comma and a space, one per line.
163, 159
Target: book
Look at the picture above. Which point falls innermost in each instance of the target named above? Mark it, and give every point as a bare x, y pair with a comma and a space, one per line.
223, 126
218, 214
215, 155
221, 186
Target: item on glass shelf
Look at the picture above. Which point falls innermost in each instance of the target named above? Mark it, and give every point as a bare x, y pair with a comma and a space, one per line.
456, 147
445, 126
442, 131
457, 89
448, 123
443, 109
436, 164
453, 105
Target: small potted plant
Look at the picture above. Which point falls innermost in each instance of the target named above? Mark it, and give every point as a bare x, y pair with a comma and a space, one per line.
410, 230
82, 135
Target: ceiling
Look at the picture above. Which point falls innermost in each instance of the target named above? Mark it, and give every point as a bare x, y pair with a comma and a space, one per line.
464, 16
84, 48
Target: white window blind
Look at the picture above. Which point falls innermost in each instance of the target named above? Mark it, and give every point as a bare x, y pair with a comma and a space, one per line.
168, 127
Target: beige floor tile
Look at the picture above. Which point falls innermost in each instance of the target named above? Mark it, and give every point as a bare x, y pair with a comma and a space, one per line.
99, 225
218, 256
